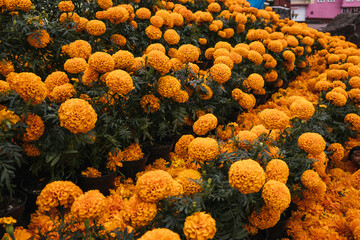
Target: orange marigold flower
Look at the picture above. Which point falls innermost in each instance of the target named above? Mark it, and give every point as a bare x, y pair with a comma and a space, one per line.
245, 139
255, 81
75, 65
247, 176
139, 62
354, 94
90, 76
81, 24
310, 179
354, 121
168, 86
7, 220
91, 173
312, 143
77, 116
104, 4
137, 213
277, 170
258, 47
160, 234
265, 218
181, 147
274, 119
19, 233
275, 46
289, 56
39, 38
336, 98
246, 101
31, 150
150, 103
355, 180
4, 86
119, 82
204, 124
153, 32
220, 72
101, 62
159, 61
199, 226
171, 37
164, 14
62, 93
95, 27
225, 60
302, 109
23, 5
143, 13
292, 41
154, 186
276, 195
9, 116
181, 96
66, 6
354, 82
123, 59
226, 132
90, 205
56, 78
338, 151
35, 128
133, 152
6, 67
114, 159
79, 49
117, 15
190, 180
271, 76
209, 93
58, 193
69, 17
188, 53
203, 149
255, 57
118, 39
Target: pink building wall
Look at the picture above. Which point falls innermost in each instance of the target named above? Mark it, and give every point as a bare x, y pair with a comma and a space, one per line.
323, 10
354, 3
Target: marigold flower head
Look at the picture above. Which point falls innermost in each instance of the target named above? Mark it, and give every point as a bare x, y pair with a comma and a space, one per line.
277, 170
6, 67
77, 116
276, 195
199, 226
66, 6
154, 186
181, 96
79, 49
354, 94
258, 47
29, 86
62, 93
160, 234
166, 16
188, 53
171, 37
104, 4
204, 124
312, 143
91, 173
101, 62
58, 193
168, 86
119, 40
354, 121
336, 98
56, 78
220, 72
4, 86
338, 152
255, 81
355, 180
90, 205
225, 60
139, 62
275, 46
39, 39
265, 218
209, 92
310, 179
133, 152
19, 233
90, 76
150, 103
75, 65
7, 220
302, 109
69, 17
203, 149
35, 128
255, 57
247, 176
245, 138
159, 61
117, 15
153, 32
181, 147
137, 213
274, 119
95, 27
143, 13
119, 82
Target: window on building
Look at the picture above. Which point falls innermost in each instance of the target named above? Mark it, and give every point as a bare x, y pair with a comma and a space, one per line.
344, 10
331, 0
321, 0
349, 0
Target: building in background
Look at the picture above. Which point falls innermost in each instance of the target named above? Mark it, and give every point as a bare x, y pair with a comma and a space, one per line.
321, 10
282, 7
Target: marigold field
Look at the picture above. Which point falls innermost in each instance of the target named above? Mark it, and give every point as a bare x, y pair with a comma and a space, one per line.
260, 114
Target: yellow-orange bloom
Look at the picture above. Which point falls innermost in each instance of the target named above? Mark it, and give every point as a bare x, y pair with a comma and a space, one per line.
75, 65
274, 119
154, 186
95, 27
310, 179
56, 78
168, 86
181, 147
58, 193
205, 124
160, 234
101, 62
190, 181
30, 87
62, 93
123, 59
119, 82
220, 72
276, 195
91, 205
265, 218
302, 109
277, 170
199, 226
188, 53
66, 6
312, 143
247, 176
203, 149
39, 38
354, 121
137, 213
150, 103
77, 116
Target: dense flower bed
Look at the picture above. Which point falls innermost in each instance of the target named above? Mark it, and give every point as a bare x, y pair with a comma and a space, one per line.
86, 85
